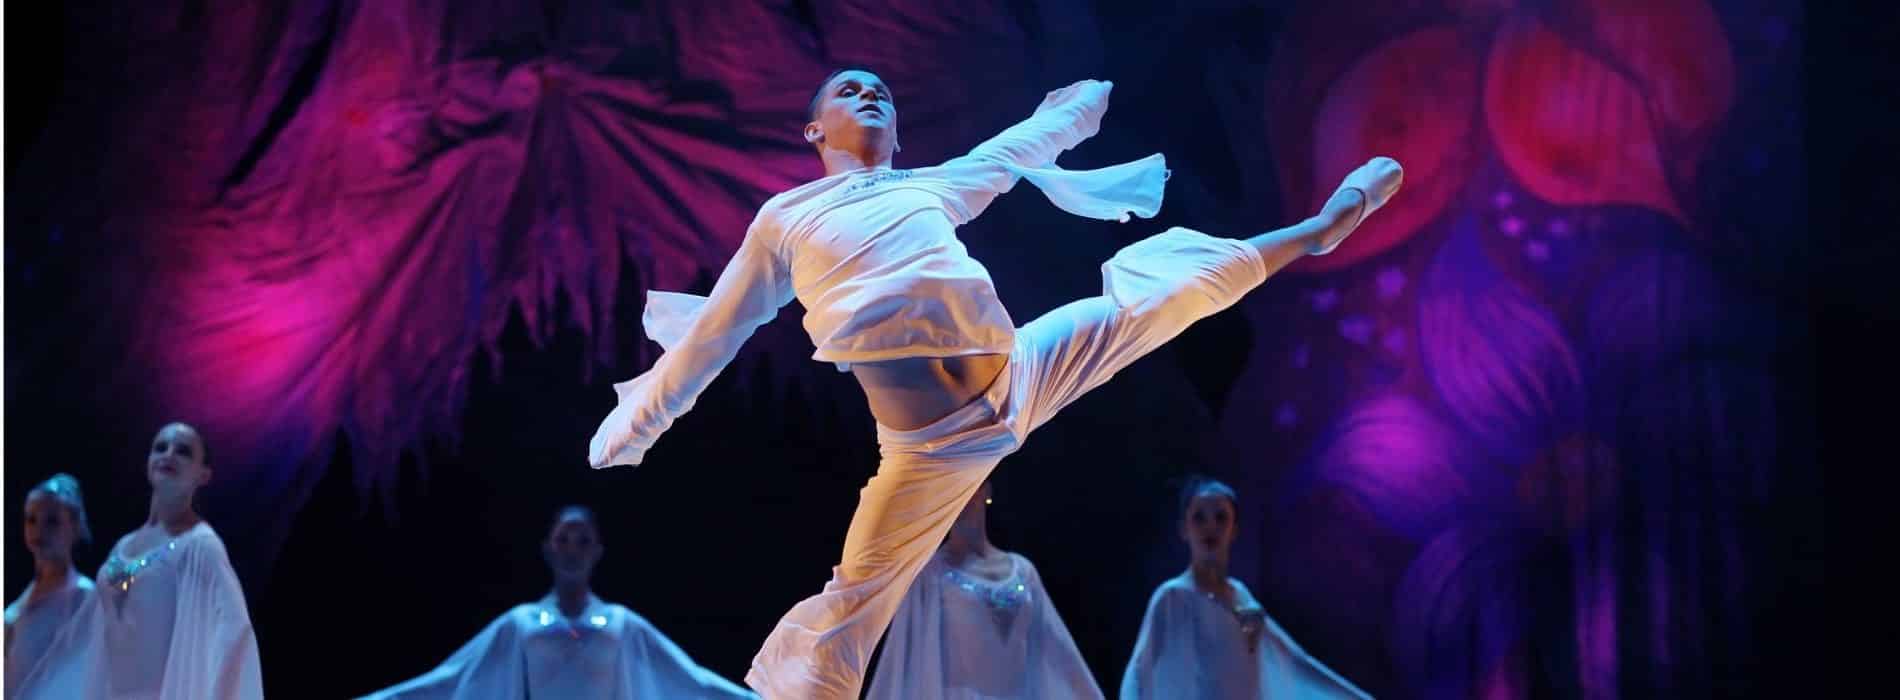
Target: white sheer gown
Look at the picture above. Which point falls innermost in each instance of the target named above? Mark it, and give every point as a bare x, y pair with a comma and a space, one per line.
165, 624
533, 651
958, 637
31, 628
1192, 647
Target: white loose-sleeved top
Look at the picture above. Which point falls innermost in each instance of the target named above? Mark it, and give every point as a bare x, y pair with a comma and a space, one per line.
873, 257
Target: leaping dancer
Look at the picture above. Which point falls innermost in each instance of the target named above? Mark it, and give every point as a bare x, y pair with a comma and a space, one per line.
892, 296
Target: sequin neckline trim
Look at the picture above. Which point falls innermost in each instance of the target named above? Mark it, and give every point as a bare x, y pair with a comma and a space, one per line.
548, 615
121, 572
1002, 596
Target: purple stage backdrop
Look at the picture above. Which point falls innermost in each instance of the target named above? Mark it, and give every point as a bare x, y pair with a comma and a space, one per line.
1524, 428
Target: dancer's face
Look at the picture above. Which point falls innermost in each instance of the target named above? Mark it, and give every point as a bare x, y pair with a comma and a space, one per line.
1209, 526
573, 547
855, 113
177, 460
50, 528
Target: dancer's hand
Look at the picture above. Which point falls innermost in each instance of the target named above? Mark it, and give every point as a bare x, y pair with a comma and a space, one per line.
1253, 622
610, 444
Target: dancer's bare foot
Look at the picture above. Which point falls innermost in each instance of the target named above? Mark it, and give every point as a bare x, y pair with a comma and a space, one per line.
1364, 190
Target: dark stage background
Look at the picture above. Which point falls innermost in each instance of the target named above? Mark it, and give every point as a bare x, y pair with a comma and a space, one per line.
1546, 427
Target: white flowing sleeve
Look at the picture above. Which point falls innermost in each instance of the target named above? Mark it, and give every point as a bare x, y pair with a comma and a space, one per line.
700, 335
213, 651
1058, 669
488, 666
1064, 120
73, 666
652, 666
14, 610
1029, 149
1164, 662
1287, 671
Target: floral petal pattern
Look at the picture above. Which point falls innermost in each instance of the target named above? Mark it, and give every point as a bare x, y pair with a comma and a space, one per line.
1402, 463
1675, 51
1572, 129
1372, 109
1497, 357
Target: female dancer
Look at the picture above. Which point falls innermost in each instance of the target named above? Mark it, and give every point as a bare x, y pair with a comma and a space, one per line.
569, 644
55, 521
891, 295
169, 620
1205, 637
977, 624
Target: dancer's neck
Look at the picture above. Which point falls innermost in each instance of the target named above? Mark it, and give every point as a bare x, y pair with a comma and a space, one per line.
966, 542
839, 161
51, 575
172, 512
571, 596
1209, 574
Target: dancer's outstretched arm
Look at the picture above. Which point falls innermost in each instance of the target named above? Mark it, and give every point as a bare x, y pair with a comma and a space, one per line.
489, 665
754, 285
1029, 149
658, 668
1065, 118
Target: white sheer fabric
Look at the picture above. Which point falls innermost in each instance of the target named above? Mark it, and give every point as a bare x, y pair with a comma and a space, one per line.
533, 651
31, 629
958, 637
1194, 648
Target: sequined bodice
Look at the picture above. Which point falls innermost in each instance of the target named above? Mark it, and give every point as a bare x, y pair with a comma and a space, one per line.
1006, 595
140, 598
1003, 598
119, 573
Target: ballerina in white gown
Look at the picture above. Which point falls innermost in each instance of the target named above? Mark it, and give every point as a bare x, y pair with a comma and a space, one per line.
1205, 637
978, 625
569, 644
55, 522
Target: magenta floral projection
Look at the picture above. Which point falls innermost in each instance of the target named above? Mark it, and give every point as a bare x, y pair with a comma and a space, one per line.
1545, 260
1588, 102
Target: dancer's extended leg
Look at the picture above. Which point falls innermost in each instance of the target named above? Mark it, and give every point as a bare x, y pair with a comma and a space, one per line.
1153, 290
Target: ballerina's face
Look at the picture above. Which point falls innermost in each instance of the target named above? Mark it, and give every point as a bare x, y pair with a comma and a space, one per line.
1208, 526
50, 527
177, 459
573, 547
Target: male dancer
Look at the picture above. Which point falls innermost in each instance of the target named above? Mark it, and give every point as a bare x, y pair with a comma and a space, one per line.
892, 296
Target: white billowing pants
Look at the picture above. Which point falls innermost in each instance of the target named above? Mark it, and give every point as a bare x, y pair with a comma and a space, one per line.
1152, 291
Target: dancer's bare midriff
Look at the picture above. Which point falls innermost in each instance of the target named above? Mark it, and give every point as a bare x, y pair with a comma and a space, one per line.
910, 393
